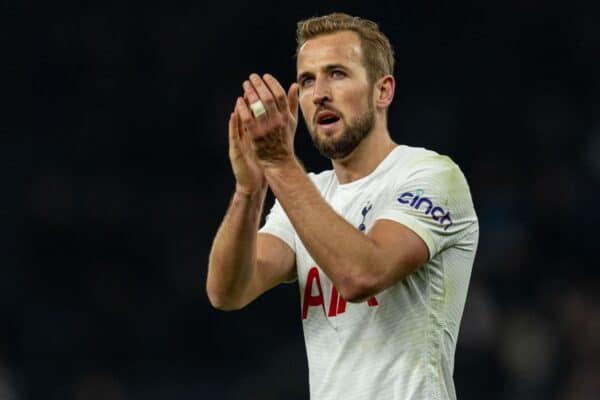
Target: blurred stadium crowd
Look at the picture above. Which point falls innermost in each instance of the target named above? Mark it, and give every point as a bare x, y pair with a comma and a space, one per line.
117, 177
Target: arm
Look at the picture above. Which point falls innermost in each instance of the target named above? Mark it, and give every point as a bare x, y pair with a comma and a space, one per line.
243, 264
358, 265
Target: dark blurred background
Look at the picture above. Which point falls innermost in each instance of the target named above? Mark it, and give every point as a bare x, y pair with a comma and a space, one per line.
116, 177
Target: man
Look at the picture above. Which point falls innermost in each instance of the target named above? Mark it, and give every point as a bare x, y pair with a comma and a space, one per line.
382, 246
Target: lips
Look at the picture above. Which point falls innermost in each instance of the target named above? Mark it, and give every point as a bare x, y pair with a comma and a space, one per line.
326, 117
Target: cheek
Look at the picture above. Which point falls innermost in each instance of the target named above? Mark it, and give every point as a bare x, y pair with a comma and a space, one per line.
358, 105
306, 106
357, 99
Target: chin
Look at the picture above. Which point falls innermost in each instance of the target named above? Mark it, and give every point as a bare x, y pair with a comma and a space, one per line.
335, 149
330, 132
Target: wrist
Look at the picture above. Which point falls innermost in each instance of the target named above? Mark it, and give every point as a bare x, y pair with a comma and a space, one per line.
284, 172
281, 165
249, 193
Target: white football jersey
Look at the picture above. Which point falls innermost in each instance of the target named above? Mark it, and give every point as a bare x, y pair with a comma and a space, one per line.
400, 343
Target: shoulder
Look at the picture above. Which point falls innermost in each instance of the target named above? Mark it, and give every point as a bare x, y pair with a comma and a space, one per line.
420, 159
430, 177
412, 164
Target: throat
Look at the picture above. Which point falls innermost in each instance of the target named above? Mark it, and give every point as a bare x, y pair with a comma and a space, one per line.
362, 161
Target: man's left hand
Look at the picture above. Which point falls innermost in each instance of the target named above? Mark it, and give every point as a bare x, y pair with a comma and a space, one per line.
272, 132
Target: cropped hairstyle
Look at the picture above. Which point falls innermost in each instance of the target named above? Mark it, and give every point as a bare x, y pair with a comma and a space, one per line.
377, 50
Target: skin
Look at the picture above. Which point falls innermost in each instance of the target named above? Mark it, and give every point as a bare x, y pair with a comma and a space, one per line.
244, 264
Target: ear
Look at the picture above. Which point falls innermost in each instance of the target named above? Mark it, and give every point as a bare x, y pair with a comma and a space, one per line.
384, 91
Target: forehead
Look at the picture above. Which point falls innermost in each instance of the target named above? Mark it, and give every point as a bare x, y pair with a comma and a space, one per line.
335, 48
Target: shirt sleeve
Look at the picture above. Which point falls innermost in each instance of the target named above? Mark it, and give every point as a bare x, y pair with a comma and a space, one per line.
278, 224
433, 201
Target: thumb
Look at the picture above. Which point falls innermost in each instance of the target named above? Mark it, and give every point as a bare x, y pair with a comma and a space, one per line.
293, 93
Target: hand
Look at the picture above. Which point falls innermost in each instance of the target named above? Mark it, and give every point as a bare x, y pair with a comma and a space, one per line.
272, 133
248, 174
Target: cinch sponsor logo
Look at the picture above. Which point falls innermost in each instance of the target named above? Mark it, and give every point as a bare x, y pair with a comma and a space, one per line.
419, 202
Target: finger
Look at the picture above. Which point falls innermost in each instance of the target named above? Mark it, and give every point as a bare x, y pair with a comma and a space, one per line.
245, 143
233, 128
292, 95
239, 135
264, 94
235, 147
246, 119
239, 127
277, 90
251, 97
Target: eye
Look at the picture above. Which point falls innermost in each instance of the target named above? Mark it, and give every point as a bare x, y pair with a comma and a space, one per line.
306, 82
338, 74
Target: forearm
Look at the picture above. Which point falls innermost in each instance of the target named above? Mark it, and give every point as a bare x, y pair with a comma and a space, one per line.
233, 254
348, 257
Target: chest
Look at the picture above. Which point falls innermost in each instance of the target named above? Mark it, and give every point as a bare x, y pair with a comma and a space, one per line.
318, 295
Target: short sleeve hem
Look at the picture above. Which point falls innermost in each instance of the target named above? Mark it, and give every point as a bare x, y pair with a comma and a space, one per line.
280, 233
414, 225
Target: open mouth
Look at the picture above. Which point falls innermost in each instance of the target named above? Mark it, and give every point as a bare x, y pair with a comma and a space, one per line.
327, 118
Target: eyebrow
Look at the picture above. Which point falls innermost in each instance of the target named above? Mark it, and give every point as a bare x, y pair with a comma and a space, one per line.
326, 68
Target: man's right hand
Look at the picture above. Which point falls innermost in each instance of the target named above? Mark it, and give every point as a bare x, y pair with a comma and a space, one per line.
250, 178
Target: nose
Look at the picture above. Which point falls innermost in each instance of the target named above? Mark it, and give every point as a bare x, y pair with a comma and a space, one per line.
321, 91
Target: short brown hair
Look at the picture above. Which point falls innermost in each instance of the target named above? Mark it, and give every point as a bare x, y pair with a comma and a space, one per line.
377, 50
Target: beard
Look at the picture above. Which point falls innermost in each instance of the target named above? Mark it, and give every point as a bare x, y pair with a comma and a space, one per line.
353, 133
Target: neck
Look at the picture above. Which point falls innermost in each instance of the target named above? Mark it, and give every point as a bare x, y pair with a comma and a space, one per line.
366, 157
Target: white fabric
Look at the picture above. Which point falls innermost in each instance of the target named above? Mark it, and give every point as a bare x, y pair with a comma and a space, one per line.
403, 347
